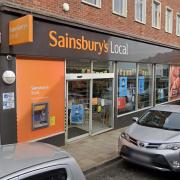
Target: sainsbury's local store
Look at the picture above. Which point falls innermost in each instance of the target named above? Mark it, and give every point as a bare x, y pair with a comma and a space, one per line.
74, 81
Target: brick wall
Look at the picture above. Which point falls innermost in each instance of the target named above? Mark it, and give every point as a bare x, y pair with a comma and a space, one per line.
105, 19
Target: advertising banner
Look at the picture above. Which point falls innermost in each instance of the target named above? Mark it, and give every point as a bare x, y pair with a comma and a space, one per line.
174, 82
122, 86
141, 85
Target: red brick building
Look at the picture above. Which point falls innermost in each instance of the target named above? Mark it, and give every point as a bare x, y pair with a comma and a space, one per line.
78, 68
102, 17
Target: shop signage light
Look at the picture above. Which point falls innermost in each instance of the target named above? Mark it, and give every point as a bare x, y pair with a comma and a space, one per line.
21, 30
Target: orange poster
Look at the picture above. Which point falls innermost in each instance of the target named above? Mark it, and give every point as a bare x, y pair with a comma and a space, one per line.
40, 86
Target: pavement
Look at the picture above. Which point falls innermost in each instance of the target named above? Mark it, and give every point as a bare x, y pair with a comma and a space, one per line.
95, 151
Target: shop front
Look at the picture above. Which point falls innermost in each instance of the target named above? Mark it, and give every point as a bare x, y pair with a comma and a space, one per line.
72, 81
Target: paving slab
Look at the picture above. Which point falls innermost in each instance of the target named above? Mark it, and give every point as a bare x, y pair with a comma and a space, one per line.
95, 150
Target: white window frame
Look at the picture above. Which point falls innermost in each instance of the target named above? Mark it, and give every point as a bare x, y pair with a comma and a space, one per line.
159, 25
124, 9
177, 25
143, 21
98, 5
170, 28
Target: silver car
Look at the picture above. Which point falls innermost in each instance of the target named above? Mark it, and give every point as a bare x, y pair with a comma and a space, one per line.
154, 139
32, 161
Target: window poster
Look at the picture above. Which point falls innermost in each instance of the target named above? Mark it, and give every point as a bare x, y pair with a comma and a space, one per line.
122, 86
141, 85
8, 100
77, 114
174, 82
121, 102
160, 93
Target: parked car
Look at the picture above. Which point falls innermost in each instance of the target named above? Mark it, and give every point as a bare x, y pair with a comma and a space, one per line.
154, 139
32, 161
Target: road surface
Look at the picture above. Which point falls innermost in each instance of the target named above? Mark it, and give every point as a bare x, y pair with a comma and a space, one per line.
121, 170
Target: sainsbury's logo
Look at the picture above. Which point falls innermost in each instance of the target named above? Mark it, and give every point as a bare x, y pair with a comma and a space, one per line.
82, 43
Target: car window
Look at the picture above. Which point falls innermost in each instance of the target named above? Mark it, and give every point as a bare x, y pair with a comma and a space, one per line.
173, 121
161, 119
58, 174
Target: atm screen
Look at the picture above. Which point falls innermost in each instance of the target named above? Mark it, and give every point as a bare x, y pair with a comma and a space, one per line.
40, 115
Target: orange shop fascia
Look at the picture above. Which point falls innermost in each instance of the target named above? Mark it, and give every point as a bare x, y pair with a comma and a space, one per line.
36, 84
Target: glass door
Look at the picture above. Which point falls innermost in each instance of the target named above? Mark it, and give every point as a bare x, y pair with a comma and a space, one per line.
102, 105
78, 108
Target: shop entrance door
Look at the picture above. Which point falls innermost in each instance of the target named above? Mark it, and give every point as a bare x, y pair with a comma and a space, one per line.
78, 108
89, 104
102, 103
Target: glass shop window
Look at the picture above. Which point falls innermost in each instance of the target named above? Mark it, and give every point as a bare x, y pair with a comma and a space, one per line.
126, 87
162, 83
78, 66
102, 67
144, 85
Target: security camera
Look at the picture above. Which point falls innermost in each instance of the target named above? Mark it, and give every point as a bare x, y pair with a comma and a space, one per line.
9, 57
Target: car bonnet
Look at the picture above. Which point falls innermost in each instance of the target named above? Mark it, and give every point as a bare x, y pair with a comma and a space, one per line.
152, 135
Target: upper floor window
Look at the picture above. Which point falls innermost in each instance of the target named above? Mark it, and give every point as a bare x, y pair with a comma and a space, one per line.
169, 20
156, 14
178, 25
140, 11
120, 7
96, 3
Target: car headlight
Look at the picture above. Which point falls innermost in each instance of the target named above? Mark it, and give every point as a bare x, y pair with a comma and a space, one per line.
125, 136
170, 146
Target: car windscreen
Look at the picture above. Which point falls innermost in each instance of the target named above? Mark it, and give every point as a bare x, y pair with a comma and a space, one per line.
161, 119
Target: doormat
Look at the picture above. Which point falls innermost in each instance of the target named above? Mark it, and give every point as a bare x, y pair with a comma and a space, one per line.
75, 131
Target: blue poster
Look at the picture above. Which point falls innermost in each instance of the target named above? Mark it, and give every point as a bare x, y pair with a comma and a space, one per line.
141, 85
77, 114
160, 94
122, 86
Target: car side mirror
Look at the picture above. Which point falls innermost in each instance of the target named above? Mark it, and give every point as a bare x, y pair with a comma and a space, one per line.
135, 119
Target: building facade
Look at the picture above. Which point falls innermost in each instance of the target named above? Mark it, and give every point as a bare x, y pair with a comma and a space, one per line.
85, 67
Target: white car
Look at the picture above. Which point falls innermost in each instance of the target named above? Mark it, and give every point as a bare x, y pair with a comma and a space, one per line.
154, 139
37, 161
